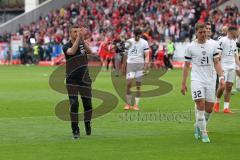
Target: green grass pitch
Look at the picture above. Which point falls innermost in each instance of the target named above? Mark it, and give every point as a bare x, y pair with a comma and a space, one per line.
29, 129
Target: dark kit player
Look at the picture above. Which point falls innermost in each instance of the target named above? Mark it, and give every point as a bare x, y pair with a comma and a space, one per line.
77, 78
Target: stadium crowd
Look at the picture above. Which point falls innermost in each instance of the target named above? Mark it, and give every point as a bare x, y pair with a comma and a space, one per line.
108, 19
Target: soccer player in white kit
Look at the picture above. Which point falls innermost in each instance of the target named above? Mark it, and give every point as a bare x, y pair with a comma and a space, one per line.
203, 56
229, 61
136, 59
209, 108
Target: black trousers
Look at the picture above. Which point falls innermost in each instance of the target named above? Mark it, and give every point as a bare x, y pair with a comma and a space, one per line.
82, 88
167, 61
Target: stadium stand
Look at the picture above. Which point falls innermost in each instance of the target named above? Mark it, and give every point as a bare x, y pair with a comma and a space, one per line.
159, 19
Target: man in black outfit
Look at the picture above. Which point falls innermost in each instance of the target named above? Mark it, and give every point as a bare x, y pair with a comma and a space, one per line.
77, 79
119, 45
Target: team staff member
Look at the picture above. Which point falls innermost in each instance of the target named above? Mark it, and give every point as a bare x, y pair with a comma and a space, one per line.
78, 79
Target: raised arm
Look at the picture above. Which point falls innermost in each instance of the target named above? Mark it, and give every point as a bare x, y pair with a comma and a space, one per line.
87, 48
80, 37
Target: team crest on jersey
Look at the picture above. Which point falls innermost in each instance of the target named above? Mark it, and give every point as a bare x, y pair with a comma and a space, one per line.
204, 52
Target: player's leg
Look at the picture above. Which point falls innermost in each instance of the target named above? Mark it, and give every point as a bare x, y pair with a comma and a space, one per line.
74, 105
130, 74
210, 99
104, 61
138, 93
128, 94
85, 91
218, 99
219, 94
165, 60
170, 60
87, 105
208, 110
138, 68
227, 97
108, 63
198, 95
229, 84
201, 121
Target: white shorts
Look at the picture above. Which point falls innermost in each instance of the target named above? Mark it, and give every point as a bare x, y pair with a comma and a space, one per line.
134, 70
230, 75
203, 91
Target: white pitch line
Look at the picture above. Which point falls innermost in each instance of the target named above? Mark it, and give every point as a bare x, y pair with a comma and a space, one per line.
36, 117
42, 117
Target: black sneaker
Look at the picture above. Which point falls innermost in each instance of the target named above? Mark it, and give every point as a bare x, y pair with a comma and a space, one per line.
76, 135
88, 128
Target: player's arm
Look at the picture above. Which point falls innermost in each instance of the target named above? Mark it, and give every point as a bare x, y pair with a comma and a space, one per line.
186, 68
146, 61
237, 60
217, 64
87, 48
74, 48
219, 48
219, 70
146, 51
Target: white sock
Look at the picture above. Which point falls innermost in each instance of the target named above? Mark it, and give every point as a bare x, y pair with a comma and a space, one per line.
137, 99
129, 99
201, 122
226, 105
207, 116
195, 111
218, 100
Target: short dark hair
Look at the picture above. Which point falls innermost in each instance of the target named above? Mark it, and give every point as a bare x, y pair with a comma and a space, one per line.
208, 24
232, 28
199, 25
137, 32
73, 26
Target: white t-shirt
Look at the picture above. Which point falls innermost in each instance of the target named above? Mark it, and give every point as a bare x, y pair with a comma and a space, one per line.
136, 50
229, 50
201, 56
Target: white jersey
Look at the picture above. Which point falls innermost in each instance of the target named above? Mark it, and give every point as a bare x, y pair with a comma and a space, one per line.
201, 56
229, 50
136, 50
214, 44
